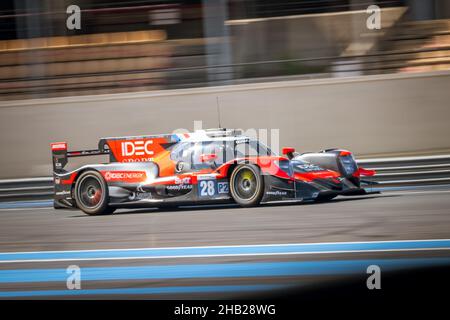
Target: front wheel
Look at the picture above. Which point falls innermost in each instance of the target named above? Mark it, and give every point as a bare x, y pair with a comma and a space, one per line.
91, 194
247, 185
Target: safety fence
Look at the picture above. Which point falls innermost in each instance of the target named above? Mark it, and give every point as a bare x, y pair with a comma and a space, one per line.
409, 172
402, 173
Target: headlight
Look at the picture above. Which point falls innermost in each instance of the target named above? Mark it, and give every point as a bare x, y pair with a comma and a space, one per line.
349, 164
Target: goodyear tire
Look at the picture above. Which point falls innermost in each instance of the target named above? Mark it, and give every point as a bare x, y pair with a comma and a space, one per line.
91, 193
247, 185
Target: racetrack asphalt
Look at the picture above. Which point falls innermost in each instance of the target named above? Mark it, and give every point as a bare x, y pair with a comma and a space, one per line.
374, 220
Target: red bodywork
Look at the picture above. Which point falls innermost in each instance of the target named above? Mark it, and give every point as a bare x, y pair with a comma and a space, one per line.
153, 149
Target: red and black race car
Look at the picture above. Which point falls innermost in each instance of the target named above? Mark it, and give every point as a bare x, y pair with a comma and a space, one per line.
206, 166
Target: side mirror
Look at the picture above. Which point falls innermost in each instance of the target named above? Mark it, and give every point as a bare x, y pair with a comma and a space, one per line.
288, 151
208, 157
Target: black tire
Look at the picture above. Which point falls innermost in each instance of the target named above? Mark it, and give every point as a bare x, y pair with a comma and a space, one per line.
247, 185
91, 194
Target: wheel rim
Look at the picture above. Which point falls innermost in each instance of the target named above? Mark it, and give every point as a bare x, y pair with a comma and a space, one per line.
90, 192
245, 184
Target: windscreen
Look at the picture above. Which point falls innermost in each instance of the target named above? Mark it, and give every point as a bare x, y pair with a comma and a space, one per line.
251, 148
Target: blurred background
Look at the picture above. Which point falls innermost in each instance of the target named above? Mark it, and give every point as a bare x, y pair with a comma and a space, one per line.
126, 46
311, 68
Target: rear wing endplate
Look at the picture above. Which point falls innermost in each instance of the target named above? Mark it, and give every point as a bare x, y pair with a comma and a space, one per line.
60, 154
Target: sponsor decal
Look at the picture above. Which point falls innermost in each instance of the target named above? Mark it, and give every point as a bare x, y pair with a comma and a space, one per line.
59, 146
186, 180
308, 167
125, 176
179, 187
206, 177
222, 187
140, 196
138, 160
138, 150
62, 193
277, 193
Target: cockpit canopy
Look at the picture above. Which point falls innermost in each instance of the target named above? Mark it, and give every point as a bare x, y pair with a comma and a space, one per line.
225, 150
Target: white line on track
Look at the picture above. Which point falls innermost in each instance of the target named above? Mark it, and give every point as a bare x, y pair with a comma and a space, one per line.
226, 255
232, 254
25, 209
233, 246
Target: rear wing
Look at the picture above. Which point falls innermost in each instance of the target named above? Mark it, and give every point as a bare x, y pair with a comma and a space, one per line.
119, 149
60, 154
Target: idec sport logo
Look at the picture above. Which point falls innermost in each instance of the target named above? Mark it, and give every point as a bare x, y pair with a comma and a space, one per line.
139, 150
125, 176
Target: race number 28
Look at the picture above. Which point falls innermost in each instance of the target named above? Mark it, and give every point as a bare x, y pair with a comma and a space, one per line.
207, 188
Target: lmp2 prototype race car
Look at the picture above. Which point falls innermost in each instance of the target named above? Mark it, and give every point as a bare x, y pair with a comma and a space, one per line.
205, 166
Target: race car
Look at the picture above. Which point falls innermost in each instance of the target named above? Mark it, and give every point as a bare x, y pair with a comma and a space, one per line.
205, 166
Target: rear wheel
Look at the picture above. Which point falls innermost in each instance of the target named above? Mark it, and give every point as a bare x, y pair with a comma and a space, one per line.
91, 194
247, 185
